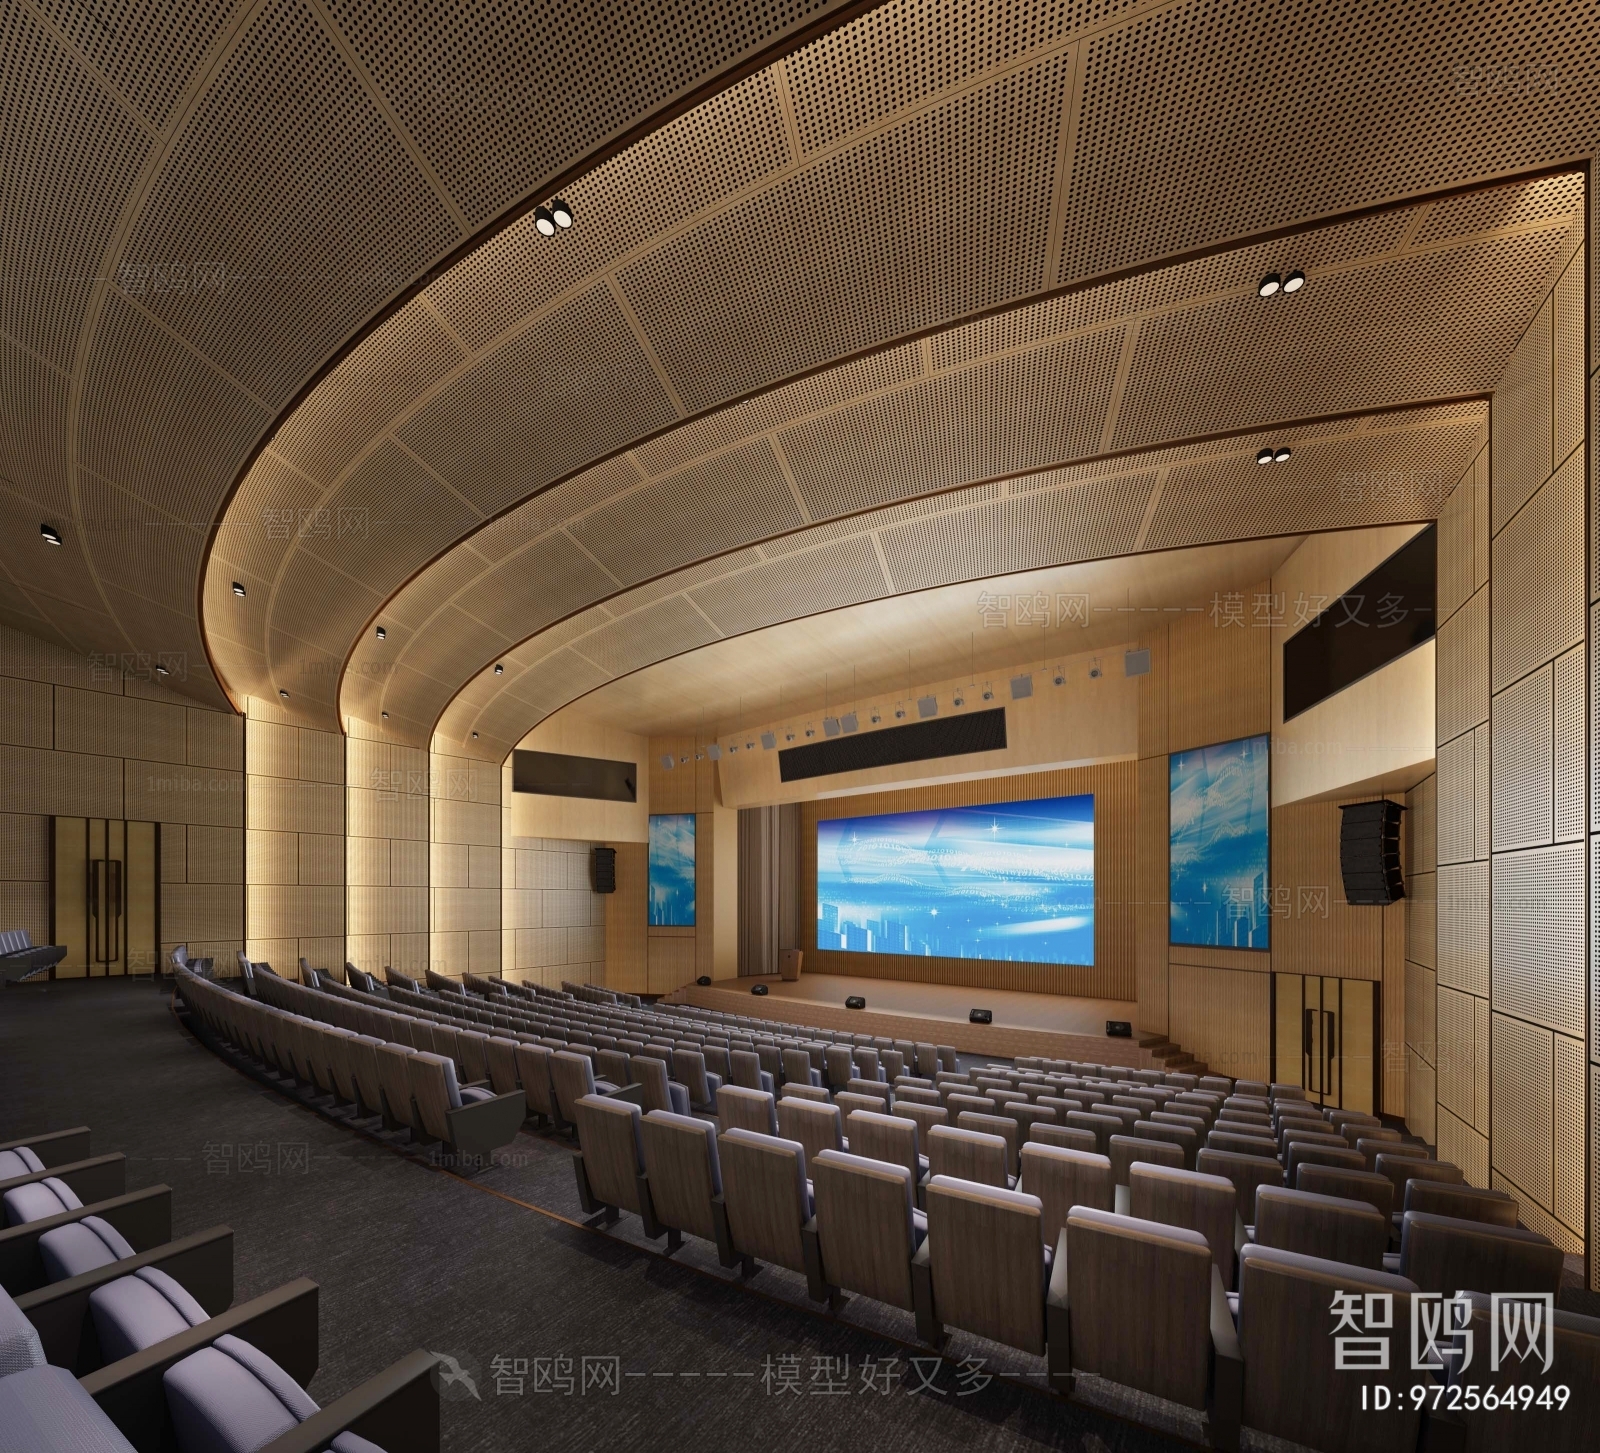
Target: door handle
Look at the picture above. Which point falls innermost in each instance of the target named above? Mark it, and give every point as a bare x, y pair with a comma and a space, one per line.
1330, 1027
1305, 1030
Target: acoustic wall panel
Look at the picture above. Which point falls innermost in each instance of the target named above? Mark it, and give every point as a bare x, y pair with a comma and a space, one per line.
1538, 597
1463, 667
1455, 549
1482, 796
168, 792
1539, 923
1523, 1114
1521, 423
1459, 1143
1151, 915
1523, 791
1422, 918
1456, 815
1456, 1053
118, 726
1568, 361
1463, 938
25, 713
465, 897
1570, 1137
1421, 1104
1571, 708
1422, 993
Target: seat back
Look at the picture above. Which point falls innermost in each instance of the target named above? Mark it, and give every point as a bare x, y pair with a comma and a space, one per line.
1062, 1179
500, 1055
867, 1065
742, 1109
796, 1067
815, 1126
1102, 1127
689, 1070
1354, 1185
395, 1080
436, 1091
1130, 1150
746, 1069
1400, 1169
612, 1145
1330, 1227
839, 1066
865, 1229
967, 1155
1442, 1254
924, 1117
998, 1125
533, 1069
1181, 1137
1069, 1137
1118, 1269
613, 1065
650, 1074
1293, 1387
1204, 1203
1239, 1144
571, 1078
986, 1255
1465, 1203
889, 1138
764, 1190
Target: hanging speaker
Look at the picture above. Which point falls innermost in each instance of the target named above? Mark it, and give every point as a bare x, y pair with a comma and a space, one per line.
605, 870
1369, 853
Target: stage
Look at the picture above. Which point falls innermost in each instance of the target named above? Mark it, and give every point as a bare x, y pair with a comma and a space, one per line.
1053, 1025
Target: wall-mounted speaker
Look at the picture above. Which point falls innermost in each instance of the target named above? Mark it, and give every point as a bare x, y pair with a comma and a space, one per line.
759, 990
981, 1016
1119, 1029
605, 870
855, 1001
1369, 853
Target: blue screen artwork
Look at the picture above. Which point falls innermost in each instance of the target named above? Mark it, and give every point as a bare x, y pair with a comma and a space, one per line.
1218, 838
672, 870
1011, 881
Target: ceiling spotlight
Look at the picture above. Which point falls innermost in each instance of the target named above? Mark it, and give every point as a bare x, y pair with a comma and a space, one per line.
383, 635
52, 536
1294, 282
959, 699
562, 212
1282, 456
988, 693
788, 736
811, 731
384, 715
876, 718
899, 713
1268, 285
499, 670
733, 746
284, 694
238, 590
545, 220
161, 670
1059, 678
474, 736
749, 746
1264, 456
683, 761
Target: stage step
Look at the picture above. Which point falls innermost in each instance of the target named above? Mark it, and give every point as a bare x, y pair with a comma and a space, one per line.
1171, 1057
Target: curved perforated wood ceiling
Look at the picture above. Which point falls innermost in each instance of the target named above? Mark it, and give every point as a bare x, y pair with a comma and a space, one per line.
203, 200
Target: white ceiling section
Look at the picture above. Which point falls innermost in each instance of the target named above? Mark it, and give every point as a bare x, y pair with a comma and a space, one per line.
204, 200
830, 258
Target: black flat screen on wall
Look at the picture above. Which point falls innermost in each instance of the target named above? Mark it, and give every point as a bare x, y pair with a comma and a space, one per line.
554, 775
922, 741
1376, 621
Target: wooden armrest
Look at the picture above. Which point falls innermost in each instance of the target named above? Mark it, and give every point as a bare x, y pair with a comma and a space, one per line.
398, 1410
55, 1148
98, 1178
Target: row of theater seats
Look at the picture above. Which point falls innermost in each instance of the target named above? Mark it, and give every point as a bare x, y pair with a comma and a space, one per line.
1022, 1229
115, 1337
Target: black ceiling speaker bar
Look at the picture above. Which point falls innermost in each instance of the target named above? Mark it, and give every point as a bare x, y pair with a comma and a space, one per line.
920, 741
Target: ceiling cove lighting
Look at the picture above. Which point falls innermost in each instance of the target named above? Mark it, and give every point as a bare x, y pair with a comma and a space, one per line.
238, 590
52, 536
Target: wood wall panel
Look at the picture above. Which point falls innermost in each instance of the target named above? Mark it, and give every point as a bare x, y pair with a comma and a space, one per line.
1152, 920
1219, 680
1113, 974
627, 945
1224, 1017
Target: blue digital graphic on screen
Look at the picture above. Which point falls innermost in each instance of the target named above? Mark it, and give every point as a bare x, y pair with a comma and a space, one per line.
1219, 810
672, 870
1010, 881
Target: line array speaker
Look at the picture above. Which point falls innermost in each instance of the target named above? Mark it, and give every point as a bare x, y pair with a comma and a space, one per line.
1369, 852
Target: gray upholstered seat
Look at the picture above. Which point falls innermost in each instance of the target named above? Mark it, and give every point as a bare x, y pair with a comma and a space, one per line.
689, 1070
891, 1138
1181, 1136
20, 1347
232, 1398
798, 1069
660, 1093
571, 1078
1330, 1227
1103, 1127
1293, 1386
38, 1199
81, 1246
986, 1264
1130, 1150
868, 1228
137, 1311
747, 1072
684, 1173
768, 1199
47, 1408
742, 1109
20, 1161
610, 1162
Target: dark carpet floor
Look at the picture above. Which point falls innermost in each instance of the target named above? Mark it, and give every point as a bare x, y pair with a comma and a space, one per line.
573, 1338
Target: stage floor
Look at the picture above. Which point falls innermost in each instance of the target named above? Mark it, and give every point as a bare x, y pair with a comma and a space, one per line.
1052, 1025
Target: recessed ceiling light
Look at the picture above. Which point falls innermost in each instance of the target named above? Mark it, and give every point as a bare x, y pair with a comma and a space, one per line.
545, 220
284, 694
161, 670
499, 670
1264, 456
238, 590
562, 212
474, 736
1282, 456
383, 635
52, 536
1268, 285
1294, 282
384, 715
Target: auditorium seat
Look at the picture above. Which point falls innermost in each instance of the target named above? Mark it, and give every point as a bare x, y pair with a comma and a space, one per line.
983, 1266
533, 1069
685, 1177
868, 1064
19, 1162
81, 1246
610, 1160
1238, 1144
769, 1203
1443, 1253
1465, 1203
1204, 1203
815, 1127
1332, 1228
1355, 1131
395, 1081
1001, 1126
927, 1060
1370, 1150
1400, 1169
867, 1226
20, 1347
1129, 1150
572, 1077
915, 1095
1292, 1387
689, 1070
45, 1409
1301, 1152
814, 1093
1355, 1185
1061, 1179
742, 1109
746, 1072
864, 1095
967, 1155
891, 1138
38, 1199
1102, 1127
1312, 1133
1068, 1137
470, 1119
924, 1117
1117, 1269
839, 1066
137, 1311
1185, 1139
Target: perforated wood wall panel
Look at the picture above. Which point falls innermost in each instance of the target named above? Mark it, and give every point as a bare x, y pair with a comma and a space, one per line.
1455, 800
1464, 926
1463, 667
1571, 706
1522, 423
1523, 1070
1421, 1098
1523, 783
1456, 521
1570, 1137
1460, 1144
1151, 917
1422, 1011
1457, 1060
1538, 598
1224, 1017
1539, 930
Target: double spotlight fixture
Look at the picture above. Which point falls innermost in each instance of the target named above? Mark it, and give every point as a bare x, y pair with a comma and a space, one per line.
1281, 455
556, 217
1274, 283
